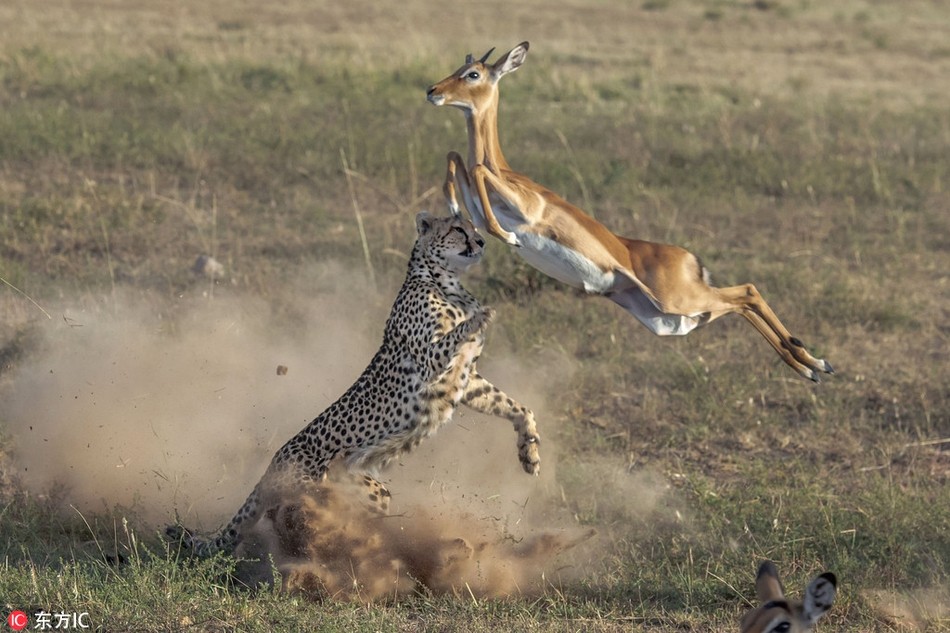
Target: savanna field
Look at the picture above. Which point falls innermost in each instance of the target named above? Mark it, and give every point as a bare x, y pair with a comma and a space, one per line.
802, 146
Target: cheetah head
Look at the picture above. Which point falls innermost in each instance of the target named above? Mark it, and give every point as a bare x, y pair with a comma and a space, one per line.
452, 240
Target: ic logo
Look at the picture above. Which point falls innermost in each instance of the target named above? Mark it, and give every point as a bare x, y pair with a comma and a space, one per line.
18, 620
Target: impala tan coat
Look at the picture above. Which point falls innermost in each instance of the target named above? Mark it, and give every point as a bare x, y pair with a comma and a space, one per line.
664, 286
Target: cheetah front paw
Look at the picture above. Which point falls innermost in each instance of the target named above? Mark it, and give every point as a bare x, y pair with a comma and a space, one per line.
481, 319
528, 453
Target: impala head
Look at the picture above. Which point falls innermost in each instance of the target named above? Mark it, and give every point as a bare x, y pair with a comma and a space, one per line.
776, 614
476, 80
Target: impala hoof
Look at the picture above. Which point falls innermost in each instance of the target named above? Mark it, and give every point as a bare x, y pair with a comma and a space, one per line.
826, 367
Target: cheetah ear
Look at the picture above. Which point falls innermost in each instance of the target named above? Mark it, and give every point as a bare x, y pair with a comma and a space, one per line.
423, 222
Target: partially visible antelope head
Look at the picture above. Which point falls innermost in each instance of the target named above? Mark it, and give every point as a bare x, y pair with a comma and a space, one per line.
776, 614
474, 86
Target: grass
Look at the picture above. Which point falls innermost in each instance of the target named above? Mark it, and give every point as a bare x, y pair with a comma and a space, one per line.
798, 146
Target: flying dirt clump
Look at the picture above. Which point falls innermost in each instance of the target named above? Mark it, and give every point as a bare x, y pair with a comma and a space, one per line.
324, 542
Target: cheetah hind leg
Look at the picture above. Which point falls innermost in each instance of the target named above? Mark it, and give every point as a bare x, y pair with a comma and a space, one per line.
226, 541
377, 497
357, 486
187, 542
377, 494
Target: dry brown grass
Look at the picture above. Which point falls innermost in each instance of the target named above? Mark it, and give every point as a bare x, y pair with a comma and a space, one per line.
895, 54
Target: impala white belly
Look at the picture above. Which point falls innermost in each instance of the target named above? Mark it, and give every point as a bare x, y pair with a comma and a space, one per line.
564, 264
574, 269
637, 303
550, 257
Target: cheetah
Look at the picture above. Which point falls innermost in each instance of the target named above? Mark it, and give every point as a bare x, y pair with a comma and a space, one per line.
776, 614
423, 370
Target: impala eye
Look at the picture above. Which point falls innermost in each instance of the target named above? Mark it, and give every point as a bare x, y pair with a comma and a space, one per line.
473, 75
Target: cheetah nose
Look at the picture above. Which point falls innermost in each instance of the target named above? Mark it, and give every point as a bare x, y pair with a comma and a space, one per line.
479, 240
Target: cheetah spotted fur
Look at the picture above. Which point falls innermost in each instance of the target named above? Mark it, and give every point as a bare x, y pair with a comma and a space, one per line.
424, 368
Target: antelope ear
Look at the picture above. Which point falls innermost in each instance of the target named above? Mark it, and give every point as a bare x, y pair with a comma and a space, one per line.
819, 596
768, 586
510, 61
423, 222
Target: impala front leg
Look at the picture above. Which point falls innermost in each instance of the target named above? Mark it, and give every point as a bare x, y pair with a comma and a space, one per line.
457, 178
481, 173
454, 166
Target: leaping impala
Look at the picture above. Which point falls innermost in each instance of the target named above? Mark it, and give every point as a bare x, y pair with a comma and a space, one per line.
664, 286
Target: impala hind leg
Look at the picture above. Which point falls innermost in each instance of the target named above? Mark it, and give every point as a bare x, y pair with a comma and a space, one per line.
777, 344
747, 301
677, 284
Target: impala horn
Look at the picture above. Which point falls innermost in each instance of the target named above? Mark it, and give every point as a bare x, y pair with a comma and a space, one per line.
485, 56
469, 58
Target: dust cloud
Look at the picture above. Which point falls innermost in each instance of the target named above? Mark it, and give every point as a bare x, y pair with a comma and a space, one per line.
913, 609
160, 413
157, 409
325, 542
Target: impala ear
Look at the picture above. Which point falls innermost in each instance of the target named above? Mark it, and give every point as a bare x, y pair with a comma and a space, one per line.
768, 586
510, 61
423, 222
819, 596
